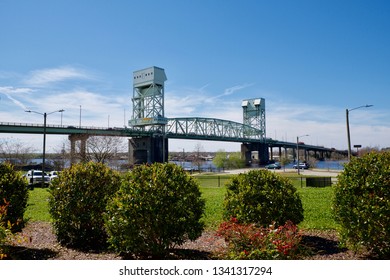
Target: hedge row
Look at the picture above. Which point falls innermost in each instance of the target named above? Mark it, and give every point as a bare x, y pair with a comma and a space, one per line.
156, 207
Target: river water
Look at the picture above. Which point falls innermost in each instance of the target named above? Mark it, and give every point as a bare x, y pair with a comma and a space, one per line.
208, 166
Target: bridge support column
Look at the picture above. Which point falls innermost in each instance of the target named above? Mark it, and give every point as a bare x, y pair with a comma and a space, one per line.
261, 148
295, 154
285, 152
148, 150
73, 138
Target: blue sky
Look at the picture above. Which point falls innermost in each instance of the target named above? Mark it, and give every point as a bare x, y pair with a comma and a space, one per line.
310, 60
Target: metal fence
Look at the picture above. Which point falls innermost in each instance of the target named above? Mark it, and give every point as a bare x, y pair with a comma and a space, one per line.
220, 181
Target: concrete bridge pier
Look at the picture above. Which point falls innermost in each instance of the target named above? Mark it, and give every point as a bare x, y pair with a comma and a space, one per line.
282, 152
73, 138
260, 148
148, 150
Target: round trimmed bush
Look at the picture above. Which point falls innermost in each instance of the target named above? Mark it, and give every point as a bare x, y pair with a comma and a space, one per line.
157, 207
362, 203
78, 199
14, 192
262, 197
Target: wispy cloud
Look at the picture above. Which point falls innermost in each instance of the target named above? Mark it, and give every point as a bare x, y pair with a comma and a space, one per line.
199, 102
64, 87
9, 91
177, 105
102, 107
15, 90
53, 75
74, 98
233, 89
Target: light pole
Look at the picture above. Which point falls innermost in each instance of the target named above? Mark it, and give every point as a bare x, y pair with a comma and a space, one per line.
80, 118
298, 150
44, 140
348, 133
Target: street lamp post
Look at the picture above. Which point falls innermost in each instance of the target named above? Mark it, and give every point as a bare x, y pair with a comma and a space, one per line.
348, 133
44, 140
80, 118
298, 151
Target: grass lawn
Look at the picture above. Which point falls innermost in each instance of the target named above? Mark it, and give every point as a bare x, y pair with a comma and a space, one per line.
316, 203
38, 205
317, 206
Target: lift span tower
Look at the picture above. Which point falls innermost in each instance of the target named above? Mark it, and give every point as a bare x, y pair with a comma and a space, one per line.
148, 115
154, 128
148, 98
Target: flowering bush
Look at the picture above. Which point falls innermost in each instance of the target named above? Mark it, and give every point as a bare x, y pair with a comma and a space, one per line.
13, 188
262, 197
157, 207
77, 202
361, 204
251, 242
4, 228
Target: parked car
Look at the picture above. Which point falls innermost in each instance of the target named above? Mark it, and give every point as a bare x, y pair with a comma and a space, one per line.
53, 174
275, 165
302, 165
34, 177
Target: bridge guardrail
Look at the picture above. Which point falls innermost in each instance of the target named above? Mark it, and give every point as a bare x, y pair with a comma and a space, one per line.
57, 126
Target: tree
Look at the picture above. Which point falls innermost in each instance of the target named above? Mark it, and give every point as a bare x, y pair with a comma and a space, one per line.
234, 160
224, 160
198, 159
366, 150
220, 159
16, 152
98, 149
284, 160
104, 148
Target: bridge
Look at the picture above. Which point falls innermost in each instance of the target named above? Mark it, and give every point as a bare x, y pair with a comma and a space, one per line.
149, 130
177, 128
211, 129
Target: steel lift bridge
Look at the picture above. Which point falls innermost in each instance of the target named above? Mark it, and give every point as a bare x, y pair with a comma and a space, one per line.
149, 129
154, 129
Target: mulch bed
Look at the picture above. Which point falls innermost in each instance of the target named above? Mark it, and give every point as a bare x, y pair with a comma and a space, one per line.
38, 242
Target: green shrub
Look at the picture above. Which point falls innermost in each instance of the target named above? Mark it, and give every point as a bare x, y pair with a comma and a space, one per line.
77, 201
251, 242
362, 203
13, 190
157, 207
262, 197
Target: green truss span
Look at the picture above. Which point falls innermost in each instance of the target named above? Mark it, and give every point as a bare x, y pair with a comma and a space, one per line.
182, 128
211, 129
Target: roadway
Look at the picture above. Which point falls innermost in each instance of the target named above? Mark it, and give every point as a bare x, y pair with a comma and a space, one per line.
222, 131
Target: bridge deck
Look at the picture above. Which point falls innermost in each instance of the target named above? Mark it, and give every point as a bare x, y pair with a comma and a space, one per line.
178, 128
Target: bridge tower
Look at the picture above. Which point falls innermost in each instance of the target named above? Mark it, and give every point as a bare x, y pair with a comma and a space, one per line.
148, 115
254, 116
